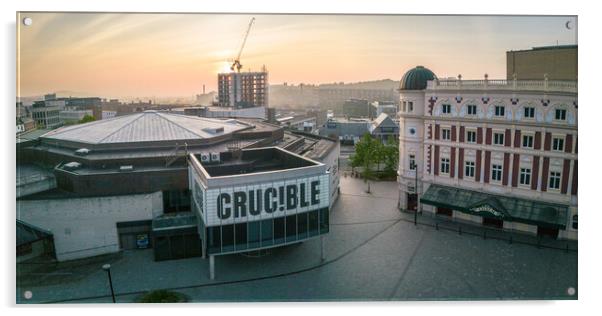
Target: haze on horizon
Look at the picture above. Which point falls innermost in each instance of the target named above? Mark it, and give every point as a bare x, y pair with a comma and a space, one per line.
170, 55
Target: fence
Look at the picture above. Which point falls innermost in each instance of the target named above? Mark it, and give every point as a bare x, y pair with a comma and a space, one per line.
461, 227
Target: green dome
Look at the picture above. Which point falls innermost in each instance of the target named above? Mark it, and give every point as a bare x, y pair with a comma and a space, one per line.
416, 78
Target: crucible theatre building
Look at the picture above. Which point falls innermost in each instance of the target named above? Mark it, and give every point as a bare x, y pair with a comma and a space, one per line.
258, 198
181, 185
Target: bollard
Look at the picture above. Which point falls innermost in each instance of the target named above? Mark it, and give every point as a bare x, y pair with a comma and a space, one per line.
567, 248
460, 230
484, 234
437, 226
510, 240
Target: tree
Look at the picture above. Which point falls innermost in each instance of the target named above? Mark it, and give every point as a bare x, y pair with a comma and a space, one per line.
362, 152
391, 156
87, 118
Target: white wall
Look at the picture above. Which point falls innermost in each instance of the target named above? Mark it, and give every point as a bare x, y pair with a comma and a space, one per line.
84, 227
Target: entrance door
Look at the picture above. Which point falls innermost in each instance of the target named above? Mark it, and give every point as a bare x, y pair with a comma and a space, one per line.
493, 222
547, 232
444, 211
412, 202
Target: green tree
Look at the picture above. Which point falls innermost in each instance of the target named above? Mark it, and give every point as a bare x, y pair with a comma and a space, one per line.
391, 158
87, 118
362, 152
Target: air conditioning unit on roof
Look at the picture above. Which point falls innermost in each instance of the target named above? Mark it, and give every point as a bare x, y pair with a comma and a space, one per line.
205, 157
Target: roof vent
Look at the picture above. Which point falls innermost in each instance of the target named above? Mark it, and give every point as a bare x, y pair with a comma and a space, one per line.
82, 151
72, 165
126, 168
214, 130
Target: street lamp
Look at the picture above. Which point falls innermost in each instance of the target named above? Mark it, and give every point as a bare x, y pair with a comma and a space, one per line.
415, 167
107, 267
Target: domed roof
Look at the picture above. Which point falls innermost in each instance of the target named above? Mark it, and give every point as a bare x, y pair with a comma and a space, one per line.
416, 78
147, 126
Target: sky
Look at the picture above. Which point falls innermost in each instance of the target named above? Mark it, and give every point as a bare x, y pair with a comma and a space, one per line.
115, 55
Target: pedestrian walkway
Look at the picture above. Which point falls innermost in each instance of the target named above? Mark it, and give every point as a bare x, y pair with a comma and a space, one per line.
373, 252
473, 229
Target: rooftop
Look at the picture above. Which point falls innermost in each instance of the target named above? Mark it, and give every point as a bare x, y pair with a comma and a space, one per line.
148, 126
565, 86
253, 161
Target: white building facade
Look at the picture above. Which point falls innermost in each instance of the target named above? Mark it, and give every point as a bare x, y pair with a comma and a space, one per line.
500, 153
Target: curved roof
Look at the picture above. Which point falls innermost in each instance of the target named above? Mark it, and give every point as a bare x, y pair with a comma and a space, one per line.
148, 126
416, 78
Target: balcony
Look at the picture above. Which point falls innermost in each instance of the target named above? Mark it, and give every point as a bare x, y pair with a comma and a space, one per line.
506, 85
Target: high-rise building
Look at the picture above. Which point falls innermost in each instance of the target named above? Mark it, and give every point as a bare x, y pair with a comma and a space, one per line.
243, 90
500, 153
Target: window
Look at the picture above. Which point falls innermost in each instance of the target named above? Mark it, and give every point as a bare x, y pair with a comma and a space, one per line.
279, 230
444, 165
574, 221
412, 162
555, 180
240, 233
496, 172
560, 114
302, 225
469, 169
446, 108
445, 134
267, 232
525, 176
529, 112
500, 110
498, 139
471, 136
313, 223
471, 109
324, 220
528, 141
558, 144
291, 228
410, 106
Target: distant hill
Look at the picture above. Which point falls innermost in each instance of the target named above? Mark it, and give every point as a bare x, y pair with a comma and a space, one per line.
384, 84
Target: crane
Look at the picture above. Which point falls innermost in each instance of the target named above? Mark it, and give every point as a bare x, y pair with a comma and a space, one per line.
237, 63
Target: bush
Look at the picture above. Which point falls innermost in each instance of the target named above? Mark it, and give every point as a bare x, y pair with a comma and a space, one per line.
162, 296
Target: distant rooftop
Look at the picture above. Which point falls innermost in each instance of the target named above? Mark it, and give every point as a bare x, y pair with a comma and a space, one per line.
547, 48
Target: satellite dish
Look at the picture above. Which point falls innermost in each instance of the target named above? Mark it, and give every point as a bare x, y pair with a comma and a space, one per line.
568, 25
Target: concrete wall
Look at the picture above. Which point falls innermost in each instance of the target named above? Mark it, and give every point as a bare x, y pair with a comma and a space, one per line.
85, 227
558, 63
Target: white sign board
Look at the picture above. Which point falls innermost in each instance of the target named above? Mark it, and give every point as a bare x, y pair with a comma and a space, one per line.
263, 200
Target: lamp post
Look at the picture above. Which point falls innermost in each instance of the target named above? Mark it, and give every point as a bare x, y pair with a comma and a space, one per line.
415, 167
107, 267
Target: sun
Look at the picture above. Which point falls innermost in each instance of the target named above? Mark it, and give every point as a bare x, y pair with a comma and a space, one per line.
224, 67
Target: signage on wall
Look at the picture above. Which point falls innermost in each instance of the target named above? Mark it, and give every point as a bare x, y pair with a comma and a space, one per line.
255, 202
142, 241
487, 209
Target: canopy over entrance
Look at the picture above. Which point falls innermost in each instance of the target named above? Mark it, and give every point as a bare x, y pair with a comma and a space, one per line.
497, 206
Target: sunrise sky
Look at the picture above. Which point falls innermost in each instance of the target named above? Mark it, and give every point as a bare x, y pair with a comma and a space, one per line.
169, 55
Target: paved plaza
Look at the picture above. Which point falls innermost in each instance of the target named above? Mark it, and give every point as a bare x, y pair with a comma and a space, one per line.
371, 252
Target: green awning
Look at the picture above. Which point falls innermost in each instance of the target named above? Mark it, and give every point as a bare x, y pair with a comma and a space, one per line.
497, 206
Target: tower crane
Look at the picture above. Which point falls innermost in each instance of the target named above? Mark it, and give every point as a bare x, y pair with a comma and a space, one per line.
237, 63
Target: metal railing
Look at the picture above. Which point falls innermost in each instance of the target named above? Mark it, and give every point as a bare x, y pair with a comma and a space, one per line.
441, 222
